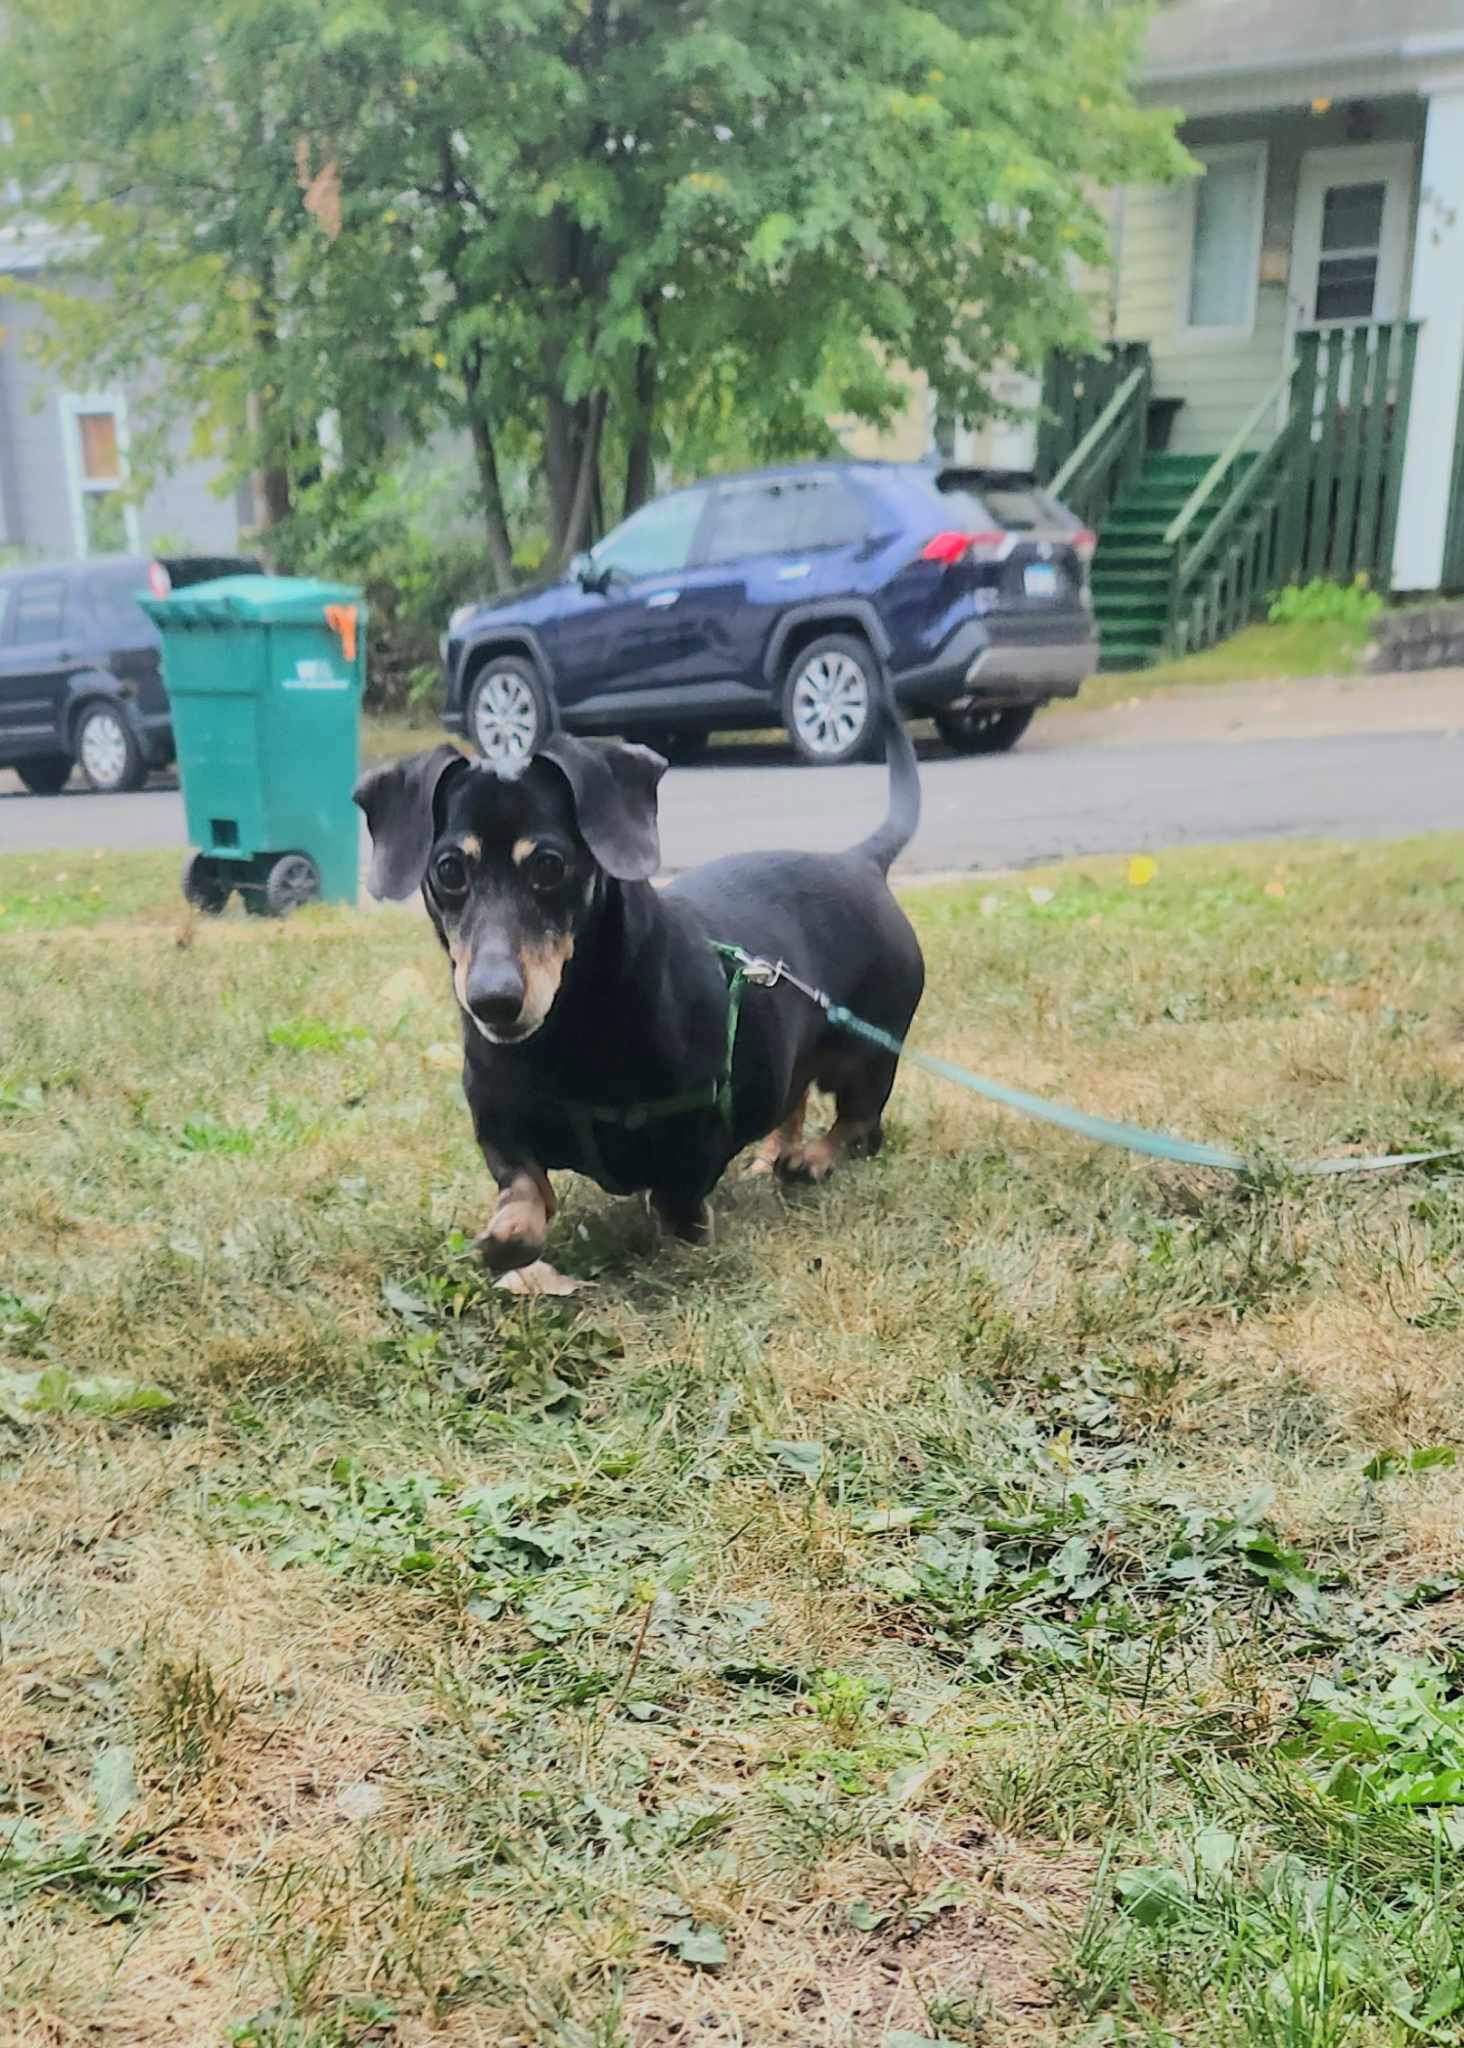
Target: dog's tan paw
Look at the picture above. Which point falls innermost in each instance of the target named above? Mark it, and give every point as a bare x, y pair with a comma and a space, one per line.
514, 1237
813, 1162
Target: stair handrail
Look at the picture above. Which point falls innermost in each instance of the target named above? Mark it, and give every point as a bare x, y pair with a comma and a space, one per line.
1100, 428
1234, 505
1210, 482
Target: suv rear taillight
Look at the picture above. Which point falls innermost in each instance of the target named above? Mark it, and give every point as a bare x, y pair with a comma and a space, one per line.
1084, 545
968, 547
159, 582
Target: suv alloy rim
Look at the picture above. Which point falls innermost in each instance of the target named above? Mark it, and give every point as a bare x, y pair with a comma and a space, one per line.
104, 748
505, 717
830, 703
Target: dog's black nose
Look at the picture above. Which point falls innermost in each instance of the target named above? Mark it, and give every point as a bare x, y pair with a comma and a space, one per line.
495, 992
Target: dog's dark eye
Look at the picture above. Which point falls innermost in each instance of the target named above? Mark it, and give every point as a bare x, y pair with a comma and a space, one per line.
544, 868
450, 874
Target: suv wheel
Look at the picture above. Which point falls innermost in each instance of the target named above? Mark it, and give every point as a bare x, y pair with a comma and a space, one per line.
47, 775
989, 731
831, 701
508, 716
106, 746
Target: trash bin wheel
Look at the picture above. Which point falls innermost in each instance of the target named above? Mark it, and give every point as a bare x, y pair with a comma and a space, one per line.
293, 879
204, 887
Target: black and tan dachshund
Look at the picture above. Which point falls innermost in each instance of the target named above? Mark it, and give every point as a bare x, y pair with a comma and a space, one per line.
595, 1010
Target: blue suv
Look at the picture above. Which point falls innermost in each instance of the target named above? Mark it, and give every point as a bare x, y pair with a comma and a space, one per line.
772, 598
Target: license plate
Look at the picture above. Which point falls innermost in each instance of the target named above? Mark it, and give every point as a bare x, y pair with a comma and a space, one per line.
1039, 579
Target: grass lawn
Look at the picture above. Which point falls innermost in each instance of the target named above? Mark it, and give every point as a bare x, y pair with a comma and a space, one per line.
1257, 654
384, 736
1009, 1596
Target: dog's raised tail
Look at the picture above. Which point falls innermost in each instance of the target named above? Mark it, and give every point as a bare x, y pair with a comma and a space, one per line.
903, 817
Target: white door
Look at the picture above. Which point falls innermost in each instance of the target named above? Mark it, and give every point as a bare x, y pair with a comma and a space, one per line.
1350, 250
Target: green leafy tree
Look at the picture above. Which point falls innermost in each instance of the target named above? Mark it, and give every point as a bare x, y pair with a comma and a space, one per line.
591, 234
155, 148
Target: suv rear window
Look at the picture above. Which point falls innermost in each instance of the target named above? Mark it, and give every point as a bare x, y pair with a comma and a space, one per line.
1016, 504
114, 594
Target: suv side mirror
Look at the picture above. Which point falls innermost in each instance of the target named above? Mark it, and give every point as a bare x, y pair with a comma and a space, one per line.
584, 572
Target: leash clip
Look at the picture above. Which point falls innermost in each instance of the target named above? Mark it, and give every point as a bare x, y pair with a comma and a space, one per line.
763, 973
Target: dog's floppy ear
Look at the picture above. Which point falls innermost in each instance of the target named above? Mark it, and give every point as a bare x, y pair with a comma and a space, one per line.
400, 803
614, 791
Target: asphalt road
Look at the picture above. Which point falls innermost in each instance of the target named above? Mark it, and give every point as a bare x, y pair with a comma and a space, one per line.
1045, 801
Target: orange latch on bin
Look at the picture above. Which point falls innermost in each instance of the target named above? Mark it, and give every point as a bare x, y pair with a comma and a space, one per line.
341, 618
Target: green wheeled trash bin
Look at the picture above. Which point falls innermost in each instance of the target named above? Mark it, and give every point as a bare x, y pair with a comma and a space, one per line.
264, 675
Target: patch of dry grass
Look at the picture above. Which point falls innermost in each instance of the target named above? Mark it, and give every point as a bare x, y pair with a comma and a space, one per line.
796, 1643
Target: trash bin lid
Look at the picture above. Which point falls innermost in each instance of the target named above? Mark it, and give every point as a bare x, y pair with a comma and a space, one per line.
250, 601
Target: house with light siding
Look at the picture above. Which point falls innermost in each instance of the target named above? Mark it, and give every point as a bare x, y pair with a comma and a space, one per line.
64, 448
1282, 394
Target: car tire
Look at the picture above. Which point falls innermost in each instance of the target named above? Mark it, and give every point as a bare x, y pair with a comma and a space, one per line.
46, 775
107, 750
506, 715
990, 730
831, 701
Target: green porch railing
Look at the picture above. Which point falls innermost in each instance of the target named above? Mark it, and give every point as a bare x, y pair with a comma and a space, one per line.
1075, 390
1110, 455
1317, 497
1220, 584
1350, 400
1320, 498
1216, 582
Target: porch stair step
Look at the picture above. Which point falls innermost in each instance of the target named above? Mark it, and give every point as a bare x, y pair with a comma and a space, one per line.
1134, 564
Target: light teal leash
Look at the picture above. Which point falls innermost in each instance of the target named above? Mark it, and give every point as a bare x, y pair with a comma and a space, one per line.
1101, 1129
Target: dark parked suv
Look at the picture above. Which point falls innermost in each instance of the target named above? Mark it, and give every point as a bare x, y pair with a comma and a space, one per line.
80, 675
771, 598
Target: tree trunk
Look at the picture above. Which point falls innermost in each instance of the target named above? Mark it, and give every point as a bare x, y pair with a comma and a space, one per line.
490, 484
273, 476
274, 496
639, 458
586, 482
490, 489
561, 459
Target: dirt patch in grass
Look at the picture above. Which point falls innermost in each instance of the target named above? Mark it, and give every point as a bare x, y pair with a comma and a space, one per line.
968, 1938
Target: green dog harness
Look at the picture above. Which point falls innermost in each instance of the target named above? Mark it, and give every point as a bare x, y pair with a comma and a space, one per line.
716, 1094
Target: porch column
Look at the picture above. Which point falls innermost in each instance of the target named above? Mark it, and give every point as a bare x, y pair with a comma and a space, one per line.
1437, 299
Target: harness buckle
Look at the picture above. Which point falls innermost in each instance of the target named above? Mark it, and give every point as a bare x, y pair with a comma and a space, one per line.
762, 973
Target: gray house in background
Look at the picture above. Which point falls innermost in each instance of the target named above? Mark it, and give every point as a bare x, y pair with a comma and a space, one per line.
63, 454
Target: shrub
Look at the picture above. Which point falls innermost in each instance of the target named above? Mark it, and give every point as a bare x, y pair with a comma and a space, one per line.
413, 541
1324, 603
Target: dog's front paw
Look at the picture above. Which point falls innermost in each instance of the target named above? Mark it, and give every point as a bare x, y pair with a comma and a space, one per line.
812, 1162
514, 1237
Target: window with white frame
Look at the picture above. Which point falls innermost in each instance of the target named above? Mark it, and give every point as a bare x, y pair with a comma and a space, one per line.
95, 429
9, 186
1228, 203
